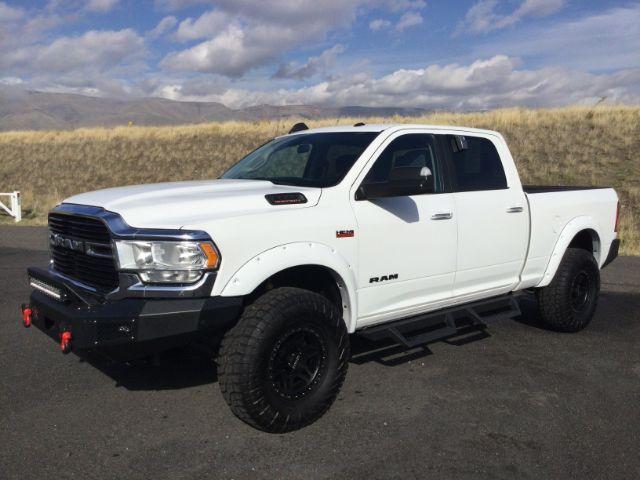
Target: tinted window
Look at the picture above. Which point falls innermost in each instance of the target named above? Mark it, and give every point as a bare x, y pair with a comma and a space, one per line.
411, 150
476, 164
312, 159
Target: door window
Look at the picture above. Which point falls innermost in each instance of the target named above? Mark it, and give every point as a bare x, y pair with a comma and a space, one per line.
476, 164
410, 150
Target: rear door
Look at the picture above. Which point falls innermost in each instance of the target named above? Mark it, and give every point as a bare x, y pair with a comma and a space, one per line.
406, 244
493, 221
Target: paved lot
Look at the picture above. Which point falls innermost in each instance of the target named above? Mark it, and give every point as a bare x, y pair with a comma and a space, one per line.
519, 402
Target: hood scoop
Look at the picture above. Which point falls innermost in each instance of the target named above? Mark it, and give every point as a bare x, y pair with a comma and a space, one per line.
285, 198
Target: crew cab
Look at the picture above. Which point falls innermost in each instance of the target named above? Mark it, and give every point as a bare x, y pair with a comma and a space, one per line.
399, 231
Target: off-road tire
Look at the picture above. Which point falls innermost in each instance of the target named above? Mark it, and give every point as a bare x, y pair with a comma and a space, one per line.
253, 359
568, 303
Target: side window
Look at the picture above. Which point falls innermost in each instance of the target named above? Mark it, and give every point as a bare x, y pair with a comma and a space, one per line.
476, 164
411, 150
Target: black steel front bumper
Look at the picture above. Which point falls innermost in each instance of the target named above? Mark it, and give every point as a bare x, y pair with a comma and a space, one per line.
127, 323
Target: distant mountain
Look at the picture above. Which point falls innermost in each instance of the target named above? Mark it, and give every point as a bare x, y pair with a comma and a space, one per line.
30, 110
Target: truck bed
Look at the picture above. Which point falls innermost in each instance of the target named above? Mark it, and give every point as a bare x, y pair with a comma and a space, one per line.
558, 206
555, 188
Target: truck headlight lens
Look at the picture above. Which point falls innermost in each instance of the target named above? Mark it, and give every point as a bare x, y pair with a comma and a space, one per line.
166, 261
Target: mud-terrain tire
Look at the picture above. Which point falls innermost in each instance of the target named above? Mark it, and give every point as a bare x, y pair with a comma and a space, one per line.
282, 365
568, 303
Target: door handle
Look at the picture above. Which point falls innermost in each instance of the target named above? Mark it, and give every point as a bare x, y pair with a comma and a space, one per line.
515, 209
442, 216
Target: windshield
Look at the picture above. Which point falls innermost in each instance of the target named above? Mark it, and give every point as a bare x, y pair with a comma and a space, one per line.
308, 160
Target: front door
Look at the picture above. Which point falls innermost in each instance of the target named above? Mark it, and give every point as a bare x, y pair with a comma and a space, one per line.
407, 244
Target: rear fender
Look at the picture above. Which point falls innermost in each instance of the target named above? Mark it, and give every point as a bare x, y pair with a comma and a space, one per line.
568, 233
263, 266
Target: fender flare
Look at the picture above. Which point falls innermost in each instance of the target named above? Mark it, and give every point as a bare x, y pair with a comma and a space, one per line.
266, 264
568, 233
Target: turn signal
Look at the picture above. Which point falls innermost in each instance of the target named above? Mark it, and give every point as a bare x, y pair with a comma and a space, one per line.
212, 255
617, 228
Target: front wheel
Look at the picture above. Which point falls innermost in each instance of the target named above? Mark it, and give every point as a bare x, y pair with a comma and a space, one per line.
568, 303
282, 366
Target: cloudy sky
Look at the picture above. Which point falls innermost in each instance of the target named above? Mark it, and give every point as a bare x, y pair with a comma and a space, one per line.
453, 54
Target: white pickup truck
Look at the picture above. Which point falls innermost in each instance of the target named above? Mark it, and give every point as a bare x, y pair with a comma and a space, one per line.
399, 231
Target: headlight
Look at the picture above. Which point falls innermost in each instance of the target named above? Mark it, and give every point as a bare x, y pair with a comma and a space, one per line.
166, 261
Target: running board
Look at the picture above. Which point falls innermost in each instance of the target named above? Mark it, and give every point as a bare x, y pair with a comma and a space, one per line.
414, 331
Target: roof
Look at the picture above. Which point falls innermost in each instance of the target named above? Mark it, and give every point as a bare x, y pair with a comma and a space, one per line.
396, 126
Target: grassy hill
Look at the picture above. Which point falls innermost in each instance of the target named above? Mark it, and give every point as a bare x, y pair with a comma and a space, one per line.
571, 146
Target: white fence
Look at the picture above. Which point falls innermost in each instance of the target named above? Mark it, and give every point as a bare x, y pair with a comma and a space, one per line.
14, 209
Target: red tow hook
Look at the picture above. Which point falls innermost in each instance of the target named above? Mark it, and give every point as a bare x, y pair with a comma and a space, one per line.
26, 315
65, 342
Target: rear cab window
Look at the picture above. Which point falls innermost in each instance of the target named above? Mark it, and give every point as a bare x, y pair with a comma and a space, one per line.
474, 163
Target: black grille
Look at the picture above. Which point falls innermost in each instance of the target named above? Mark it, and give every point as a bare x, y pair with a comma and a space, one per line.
79, 228
97, 270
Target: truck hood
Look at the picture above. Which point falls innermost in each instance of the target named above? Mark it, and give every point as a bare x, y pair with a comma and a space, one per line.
175, 204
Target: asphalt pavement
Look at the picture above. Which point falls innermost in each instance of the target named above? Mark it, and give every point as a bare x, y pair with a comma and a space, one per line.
513, 401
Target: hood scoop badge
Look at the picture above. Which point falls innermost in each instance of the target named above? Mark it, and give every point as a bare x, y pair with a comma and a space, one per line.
285, 198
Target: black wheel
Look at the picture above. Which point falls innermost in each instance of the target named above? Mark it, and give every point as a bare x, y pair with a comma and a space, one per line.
282, 366
568, 303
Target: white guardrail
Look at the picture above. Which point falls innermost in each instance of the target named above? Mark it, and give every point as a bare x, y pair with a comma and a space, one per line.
15, 208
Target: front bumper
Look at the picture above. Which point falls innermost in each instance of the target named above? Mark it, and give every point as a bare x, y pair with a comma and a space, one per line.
127, 323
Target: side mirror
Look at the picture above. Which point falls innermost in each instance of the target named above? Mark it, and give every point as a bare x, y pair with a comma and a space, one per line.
403, 181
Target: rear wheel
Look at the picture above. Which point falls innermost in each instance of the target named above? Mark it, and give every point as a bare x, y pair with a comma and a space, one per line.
568, 303
282, 366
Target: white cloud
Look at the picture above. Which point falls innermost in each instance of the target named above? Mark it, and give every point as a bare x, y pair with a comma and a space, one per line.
164, 25
483, 18
379, 24
226, 54
537, 8
312, 67
207, 25
92, 51
609, 40
490, 83
401, 5
100, 5
409, 19
175, 5
9, 13
242, 35
11, 81
281, 12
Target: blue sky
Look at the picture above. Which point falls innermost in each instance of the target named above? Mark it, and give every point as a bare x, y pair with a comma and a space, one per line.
434, 54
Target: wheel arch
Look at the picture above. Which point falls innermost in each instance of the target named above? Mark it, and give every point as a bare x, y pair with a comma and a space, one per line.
581, 232
301, 264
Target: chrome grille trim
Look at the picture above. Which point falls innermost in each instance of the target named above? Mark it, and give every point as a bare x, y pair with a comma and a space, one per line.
81, 249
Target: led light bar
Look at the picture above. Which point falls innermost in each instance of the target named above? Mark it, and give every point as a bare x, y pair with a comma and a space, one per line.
49, 290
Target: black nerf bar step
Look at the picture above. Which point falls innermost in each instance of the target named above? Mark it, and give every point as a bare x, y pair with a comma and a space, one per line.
414, 331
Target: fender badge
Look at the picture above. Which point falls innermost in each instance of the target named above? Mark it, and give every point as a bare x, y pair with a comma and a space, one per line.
345, 234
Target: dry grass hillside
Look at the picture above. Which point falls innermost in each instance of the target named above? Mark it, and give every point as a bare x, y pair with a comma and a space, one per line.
571, 146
